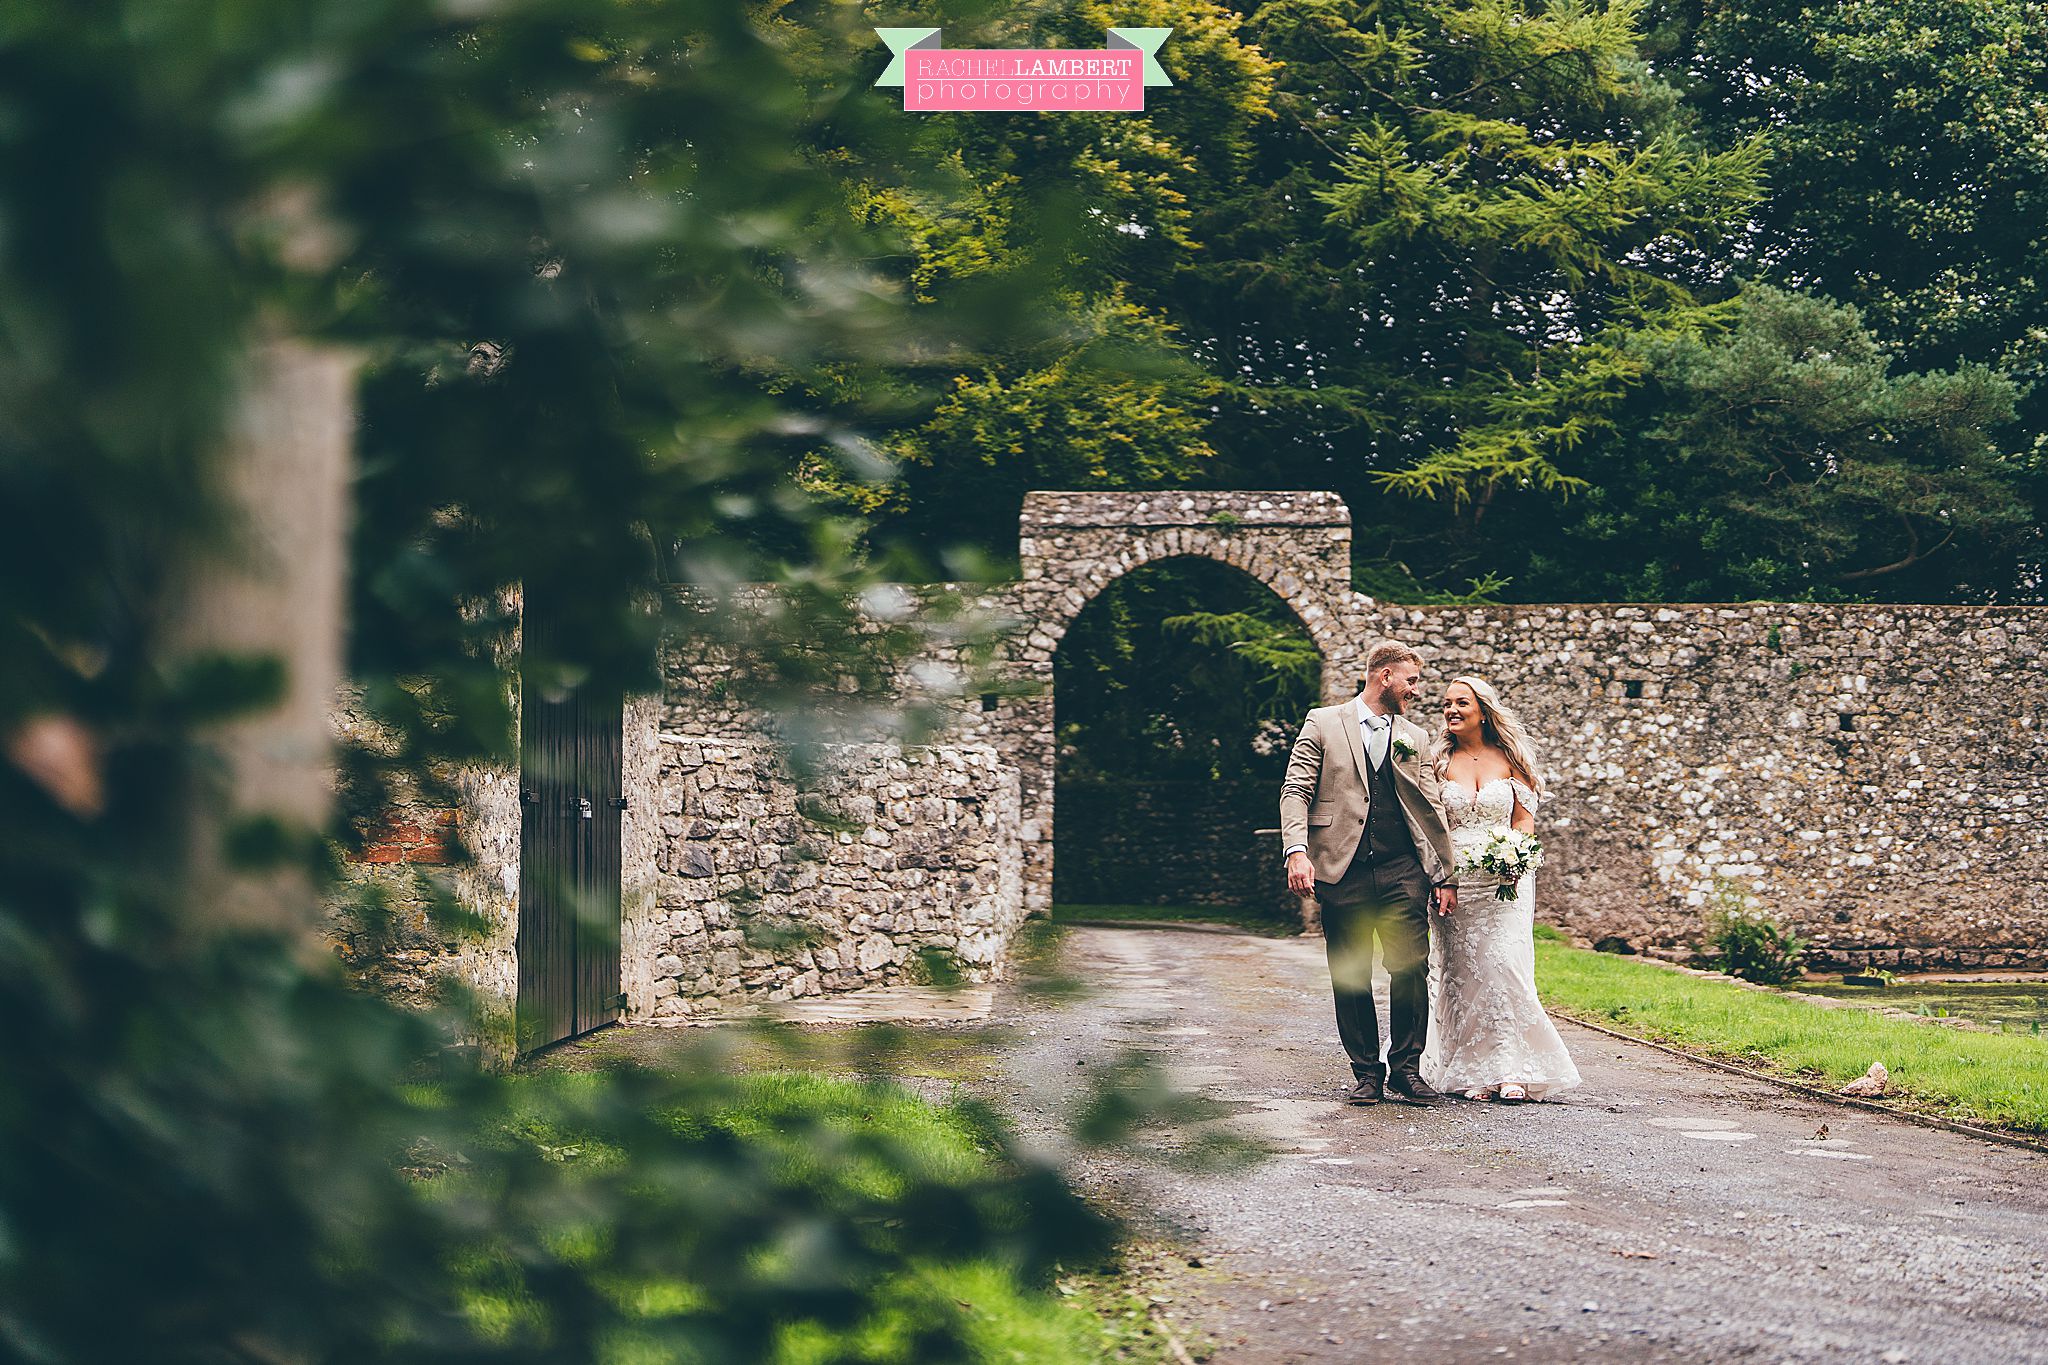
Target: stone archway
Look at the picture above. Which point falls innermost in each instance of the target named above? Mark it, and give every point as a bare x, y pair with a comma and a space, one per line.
1073, 545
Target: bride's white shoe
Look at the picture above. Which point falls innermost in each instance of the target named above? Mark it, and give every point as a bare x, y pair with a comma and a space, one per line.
1511, 1094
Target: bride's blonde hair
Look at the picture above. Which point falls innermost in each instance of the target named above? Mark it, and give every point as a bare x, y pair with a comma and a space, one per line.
1498, 725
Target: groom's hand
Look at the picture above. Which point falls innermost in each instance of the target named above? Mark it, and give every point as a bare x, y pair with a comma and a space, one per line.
1301, 873
1446, 899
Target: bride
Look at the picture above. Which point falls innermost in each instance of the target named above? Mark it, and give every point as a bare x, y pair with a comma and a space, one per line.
1488, 1035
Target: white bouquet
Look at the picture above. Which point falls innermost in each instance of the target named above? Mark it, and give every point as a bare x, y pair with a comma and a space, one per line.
1509, 855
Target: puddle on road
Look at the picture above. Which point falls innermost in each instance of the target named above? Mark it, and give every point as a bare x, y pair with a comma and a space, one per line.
1460, 1194
1706, 1130
1208, 1076
1296, 1124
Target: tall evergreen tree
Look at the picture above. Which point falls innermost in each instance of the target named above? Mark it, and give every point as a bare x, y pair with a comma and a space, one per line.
1461, 214
1787, 457
1393, 246
1909, 146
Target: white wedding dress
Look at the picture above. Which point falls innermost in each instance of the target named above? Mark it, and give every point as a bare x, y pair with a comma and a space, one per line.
1486, 1027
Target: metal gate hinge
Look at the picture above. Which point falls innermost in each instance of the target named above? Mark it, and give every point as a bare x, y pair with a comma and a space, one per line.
618, 803
616, 1002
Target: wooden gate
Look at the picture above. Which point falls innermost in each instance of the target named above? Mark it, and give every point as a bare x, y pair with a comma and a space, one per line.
571, 797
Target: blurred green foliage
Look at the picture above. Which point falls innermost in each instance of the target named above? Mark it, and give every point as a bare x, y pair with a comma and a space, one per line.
608, 293
640, 290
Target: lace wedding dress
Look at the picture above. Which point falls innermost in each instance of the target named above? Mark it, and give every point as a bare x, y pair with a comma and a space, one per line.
1486, 1027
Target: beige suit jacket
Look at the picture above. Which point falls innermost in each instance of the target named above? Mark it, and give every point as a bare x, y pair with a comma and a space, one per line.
1325, 798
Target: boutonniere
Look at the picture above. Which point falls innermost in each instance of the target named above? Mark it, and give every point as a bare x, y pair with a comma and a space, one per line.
1403, 749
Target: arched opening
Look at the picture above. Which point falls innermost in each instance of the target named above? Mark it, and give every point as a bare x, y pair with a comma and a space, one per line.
1176, 692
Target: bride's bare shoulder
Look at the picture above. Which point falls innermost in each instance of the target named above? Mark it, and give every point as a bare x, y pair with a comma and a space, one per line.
1491, 764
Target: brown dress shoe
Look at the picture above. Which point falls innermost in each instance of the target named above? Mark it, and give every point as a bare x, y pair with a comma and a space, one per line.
1411, 1087
1367, 1091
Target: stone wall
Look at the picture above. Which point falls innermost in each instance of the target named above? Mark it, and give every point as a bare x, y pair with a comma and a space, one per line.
738, 880
767, 887
1071, 546
644, 930
1868, 772
461, 848
1872, 776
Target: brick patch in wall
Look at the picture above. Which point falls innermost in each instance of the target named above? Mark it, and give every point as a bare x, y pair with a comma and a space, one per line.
421, 836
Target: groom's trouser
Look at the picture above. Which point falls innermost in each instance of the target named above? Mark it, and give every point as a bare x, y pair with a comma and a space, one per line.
1387, 898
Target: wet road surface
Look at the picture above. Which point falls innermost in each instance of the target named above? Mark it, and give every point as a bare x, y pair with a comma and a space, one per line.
1663, 1211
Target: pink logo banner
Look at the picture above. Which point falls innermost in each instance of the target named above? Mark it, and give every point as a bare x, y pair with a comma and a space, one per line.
1013, 79
1023, 78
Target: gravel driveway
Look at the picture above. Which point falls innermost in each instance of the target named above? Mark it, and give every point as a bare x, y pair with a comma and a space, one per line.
1661, 1212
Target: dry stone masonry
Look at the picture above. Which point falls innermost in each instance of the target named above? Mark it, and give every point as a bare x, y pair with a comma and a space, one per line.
1073, 545
1872, 776
888, 860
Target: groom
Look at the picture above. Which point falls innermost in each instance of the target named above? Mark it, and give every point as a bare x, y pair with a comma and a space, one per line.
1364, 830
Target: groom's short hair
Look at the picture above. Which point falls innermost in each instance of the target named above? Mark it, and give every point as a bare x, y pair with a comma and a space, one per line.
1387, 653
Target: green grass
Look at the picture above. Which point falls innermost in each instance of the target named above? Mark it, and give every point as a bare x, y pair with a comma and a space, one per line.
1128, 1314
1008, 1324
849, 1143
2000, 1080
1268, 923
822, 1131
